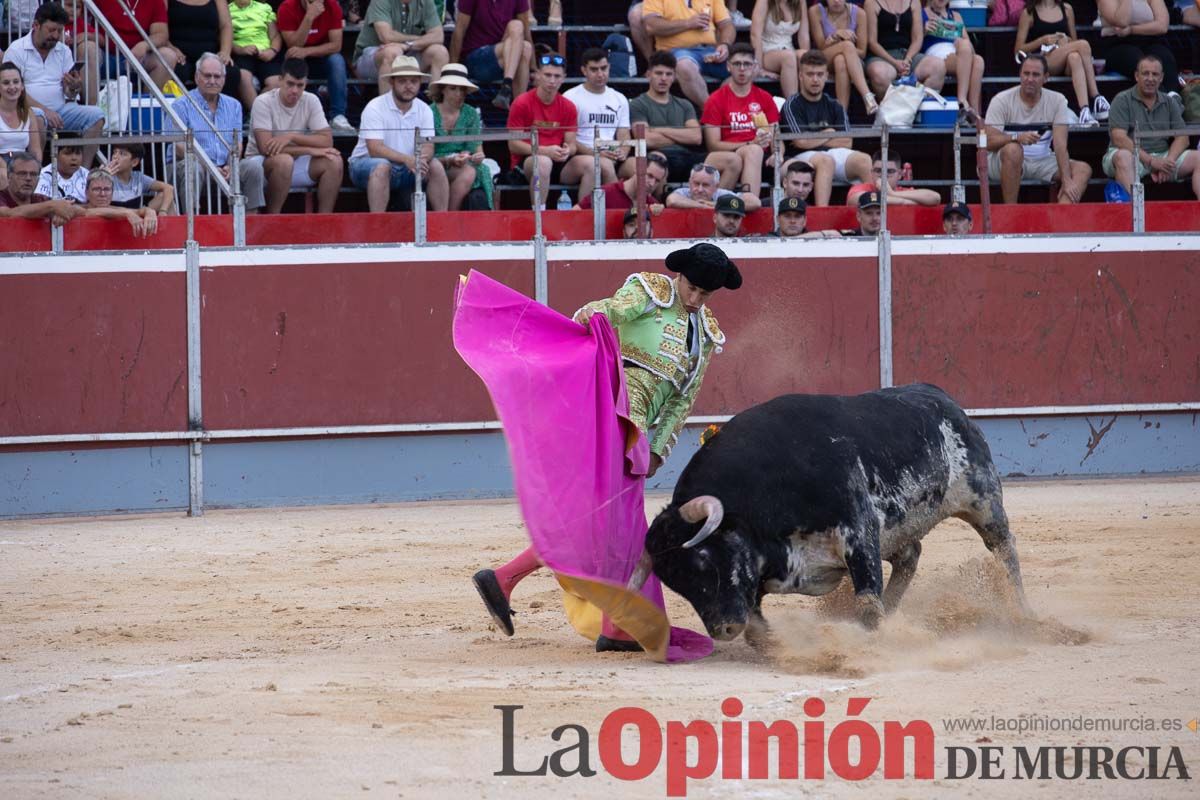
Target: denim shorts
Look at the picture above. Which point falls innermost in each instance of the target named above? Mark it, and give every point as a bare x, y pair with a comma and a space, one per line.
361, 168
482, 65
697, 54
76, 117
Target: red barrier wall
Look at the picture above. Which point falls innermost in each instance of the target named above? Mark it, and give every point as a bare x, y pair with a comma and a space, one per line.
798, 325
507, 226
83, 353
1050, 329
300, 345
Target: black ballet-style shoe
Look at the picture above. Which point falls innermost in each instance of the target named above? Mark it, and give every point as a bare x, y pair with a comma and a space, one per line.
607, 645
497, 604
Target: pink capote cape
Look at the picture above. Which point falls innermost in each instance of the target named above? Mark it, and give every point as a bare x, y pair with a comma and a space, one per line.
578, 462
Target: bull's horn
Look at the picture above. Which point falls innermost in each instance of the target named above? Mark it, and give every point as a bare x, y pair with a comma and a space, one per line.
705, 507
640, 573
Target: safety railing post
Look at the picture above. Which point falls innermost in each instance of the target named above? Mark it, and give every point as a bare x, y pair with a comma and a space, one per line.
1138, 190
777, 180
886, 378
418, 198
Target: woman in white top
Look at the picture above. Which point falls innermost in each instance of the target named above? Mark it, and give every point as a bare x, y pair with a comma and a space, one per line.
1132, 29
779, 34
20, 128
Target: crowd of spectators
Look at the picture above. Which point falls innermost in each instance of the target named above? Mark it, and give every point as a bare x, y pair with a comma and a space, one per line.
251, 66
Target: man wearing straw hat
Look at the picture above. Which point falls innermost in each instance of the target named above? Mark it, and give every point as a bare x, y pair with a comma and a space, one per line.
386, 158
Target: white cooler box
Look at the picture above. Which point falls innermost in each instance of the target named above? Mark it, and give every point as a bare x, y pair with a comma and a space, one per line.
973, 12
145, 114
935, 114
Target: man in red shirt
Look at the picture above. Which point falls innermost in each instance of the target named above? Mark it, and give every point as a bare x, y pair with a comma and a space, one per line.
312, 30
555, 118
736, 121
623, 194
152, 16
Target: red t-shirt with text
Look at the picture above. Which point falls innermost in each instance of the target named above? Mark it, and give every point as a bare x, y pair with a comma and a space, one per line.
553, 121
735, 114
291, 14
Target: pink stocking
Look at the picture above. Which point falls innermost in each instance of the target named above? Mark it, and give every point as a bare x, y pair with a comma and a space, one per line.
514, 571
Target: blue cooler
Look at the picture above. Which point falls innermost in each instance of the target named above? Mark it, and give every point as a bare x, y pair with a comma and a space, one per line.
973, 12
935, 114
145, 114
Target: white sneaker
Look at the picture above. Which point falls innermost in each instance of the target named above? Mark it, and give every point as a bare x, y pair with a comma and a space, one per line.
341, 125
1100, 108
1086, 120
739, 20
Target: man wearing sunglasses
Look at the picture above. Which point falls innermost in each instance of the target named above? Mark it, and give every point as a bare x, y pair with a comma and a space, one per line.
555, 118
703, 190
897, 195
736, 122
623, 194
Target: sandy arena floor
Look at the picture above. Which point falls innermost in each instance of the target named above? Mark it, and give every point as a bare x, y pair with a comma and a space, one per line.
341, 652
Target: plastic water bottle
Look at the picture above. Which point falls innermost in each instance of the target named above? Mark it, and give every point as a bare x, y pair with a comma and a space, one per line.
906, 173
564, 201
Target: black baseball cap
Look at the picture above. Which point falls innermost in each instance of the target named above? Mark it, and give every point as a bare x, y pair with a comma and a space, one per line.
956, 208
731, 204
868, 199
794, 205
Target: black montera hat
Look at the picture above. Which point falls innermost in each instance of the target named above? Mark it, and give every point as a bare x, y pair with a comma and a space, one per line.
706, 265
731, 204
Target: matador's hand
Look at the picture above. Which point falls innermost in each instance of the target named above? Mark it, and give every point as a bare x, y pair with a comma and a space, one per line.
655, 462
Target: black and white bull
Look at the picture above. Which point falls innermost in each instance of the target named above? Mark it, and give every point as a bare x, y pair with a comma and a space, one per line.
794, 494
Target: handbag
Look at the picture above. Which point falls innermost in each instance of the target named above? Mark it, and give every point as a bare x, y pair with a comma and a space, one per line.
902, 102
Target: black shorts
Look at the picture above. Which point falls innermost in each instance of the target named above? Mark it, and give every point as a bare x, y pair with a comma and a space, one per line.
259, 68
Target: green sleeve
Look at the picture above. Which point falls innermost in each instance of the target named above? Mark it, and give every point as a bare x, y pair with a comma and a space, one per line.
629, 303
1118, 115
675, 412
431, 19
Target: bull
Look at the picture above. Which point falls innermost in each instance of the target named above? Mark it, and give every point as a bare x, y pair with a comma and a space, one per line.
796, 493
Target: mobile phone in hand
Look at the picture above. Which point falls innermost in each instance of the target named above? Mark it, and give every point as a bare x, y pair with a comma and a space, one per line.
78, 65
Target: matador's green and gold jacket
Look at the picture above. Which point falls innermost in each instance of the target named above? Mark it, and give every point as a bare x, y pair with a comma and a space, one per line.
652, 324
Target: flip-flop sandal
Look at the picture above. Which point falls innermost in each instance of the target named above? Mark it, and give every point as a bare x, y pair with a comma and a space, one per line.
497, 604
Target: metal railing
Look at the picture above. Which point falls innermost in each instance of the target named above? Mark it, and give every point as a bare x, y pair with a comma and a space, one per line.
183, 140
135, 102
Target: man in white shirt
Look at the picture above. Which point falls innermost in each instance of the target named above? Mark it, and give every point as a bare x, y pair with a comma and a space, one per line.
386, 159
291, 135
51, 83
1022, 122
603, 108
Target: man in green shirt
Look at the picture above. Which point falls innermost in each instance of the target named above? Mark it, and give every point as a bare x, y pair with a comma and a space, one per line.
671, 124
400, 27
668, 337
1144, 107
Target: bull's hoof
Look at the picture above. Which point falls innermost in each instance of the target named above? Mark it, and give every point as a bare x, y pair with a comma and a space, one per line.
870, 611
497, 604
607, 645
